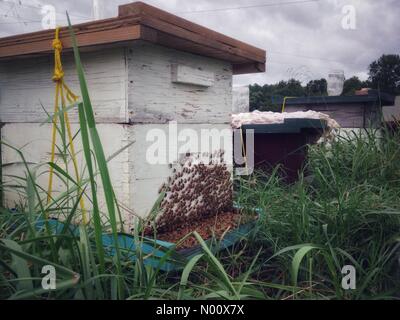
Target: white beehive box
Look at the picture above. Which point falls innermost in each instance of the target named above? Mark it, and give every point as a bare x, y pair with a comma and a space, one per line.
240, 99
141, 76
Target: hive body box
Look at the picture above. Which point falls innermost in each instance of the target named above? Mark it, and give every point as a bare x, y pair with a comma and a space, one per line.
354, 114
351, 112
145, 68
134, 89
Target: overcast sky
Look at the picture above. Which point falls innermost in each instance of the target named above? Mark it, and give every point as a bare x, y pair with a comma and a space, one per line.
303, 40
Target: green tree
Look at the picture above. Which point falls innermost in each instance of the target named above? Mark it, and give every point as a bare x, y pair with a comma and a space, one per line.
264, 98
256, 97
317, 88
384, 73
291, 88
351, 85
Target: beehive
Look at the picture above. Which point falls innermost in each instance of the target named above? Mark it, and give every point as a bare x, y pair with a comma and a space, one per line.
145, 69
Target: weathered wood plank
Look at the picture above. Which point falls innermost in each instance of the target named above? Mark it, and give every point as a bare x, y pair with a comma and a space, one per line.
44, 45
167, 40
348, 116
154, 98
189, 75
34, 140
141, 21
186, 34
182, 27
26, 86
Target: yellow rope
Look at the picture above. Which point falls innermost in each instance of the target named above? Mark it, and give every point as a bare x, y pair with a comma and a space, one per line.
58, 78
284, 103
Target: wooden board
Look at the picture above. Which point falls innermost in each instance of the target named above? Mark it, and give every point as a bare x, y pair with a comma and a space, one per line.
348, 116
154, 98
26, 86
192, 76
139, 21
84, 39
169, 20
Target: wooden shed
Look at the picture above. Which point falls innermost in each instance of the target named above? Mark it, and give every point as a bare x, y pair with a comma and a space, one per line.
144, 68
357, 111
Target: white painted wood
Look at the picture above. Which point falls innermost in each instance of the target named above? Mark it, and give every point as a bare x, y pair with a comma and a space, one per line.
136, 180
154, 98
26, 85
147, 178
127, 85
240, 99
189, 75
34, 141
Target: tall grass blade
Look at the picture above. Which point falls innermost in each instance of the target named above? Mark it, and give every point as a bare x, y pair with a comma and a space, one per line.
296, 262
217, 265
98, 150
185, 274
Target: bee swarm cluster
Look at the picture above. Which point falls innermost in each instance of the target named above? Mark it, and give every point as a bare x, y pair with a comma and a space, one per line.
195, 191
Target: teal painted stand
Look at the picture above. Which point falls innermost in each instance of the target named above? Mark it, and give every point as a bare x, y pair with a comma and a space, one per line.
158, 254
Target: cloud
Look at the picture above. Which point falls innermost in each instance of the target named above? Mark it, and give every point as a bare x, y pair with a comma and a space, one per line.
304, 40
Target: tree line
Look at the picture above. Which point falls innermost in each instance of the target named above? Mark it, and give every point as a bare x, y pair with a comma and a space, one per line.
384, 75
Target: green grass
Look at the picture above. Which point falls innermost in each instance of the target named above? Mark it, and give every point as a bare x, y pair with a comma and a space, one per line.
345, 209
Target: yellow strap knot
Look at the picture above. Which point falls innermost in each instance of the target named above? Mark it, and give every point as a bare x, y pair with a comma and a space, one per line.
58, 75
57, 45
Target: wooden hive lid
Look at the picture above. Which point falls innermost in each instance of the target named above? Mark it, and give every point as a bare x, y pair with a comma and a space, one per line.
140, 21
